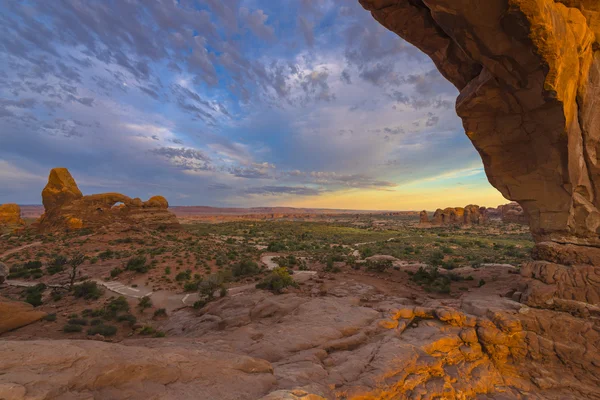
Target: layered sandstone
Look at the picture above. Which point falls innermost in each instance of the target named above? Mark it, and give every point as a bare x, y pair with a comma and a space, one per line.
10, 216
67, 209
528, 72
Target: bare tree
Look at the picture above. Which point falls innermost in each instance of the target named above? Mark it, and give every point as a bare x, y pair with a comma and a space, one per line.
74, 263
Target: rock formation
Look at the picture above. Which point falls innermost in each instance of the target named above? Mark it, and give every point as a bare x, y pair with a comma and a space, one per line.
10, 216
513, 212
469, 215
528, 72
423, 217
333, 347
15, 314
66, 208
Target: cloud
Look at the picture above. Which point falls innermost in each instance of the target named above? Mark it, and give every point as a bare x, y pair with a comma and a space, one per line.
278, 190
307, 31
185, 158
257, 23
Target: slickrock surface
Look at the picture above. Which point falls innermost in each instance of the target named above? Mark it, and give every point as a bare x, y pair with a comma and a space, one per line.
15, 314
10, 216
66, 208
528, 72
329, 345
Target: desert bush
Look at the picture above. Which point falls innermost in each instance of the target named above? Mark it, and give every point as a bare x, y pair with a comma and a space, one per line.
131, 319
432, 280
101, 329
137, 264
72, 328
144, 302
161, 312
56, 265
33, 295
277, 280
245, 268
115, 272
378, 265
50, 317
88, 290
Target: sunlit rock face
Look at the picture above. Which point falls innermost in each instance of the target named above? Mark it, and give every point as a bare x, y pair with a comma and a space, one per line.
526, 97
528, 72
67, 209
10, 216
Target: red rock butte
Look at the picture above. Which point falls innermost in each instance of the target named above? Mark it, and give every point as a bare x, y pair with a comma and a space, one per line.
66, 208
528, 72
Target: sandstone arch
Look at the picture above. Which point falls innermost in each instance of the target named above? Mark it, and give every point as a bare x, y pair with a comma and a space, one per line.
66, 208
528, 72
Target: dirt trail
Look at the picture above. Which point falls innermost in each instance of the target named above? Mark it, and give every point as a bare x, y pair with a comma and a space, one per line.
16, 250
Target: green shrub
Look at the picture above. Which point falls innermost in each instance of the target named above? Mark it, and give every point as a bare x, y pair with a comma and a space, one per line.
481, 283
137, 264
57, 265
72, 328
184, 276
89, 290
104, 330
277, 280
144, 302
379, 265
115, 272
115, 306
191, 286
431, 280
245, 268
131, 319
50, 317
33, 295
161, 312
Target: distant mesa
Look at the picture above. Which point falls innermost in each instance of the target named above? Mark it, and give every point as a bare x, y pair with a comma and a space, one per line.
10, 216
67, 209
469, 215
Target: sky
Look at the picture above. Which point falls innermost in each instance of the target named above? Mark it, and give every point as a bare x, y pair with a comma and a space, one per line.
303, 103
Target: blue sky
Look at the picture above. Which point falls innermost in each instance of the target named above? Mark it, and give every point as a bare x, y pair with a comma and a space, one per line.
228, 103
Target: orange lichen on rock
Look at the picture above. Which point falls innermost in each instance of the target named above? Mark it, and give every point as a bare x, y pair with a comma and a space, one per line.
67, 209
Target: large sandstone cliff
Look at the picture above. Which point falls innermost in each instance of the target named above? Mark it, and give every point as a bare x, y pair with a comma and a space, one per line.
66, 208
528, 72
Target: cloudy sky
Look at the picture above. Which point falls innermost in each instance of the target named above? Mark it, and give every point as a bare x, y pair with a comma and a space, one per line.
305, 103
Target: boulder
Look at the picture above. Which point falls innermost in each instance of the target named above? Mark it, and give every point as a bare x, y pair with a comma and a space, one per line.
15, 314
66, 209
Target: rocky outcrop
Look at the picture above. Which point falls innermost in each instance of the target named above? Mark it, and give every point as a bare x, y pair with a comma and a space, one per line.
15, 314
66, 208
152, 370
528, 72
10, 216
513, 212
469, 215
